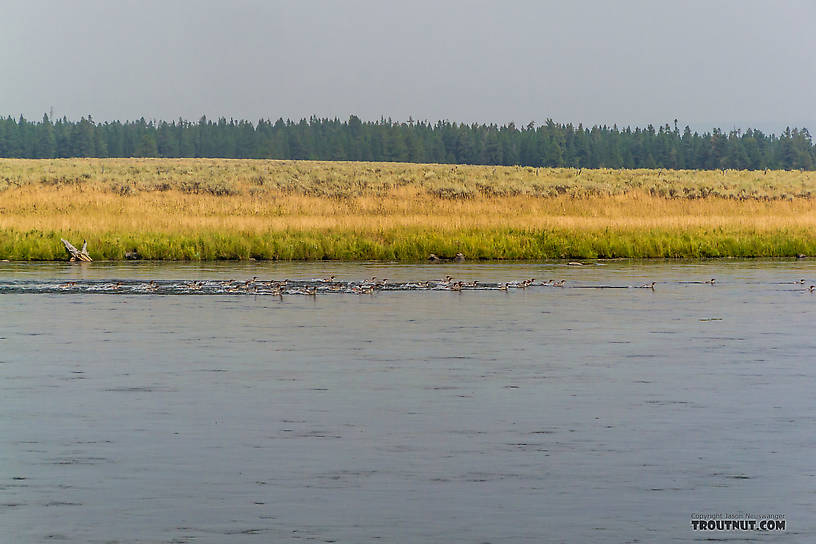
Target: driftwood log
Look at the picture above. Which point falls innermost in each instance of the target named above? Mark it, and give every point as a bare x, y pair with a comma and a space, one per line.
76, 254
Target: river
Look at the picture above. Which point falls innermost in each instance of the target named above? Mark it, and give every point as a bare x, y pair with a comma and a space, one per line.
593, 412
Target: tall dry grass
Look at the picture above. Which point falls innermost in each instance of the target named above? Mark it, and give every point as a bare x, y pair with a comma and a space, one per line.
211, 209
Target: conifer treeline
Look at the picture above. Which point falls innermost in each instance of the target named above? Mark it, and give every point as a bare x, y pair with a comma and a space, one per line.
550, 144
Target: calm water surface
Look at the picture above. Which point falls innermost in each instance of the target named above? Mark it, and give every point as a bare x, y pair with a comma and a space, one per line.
535, 415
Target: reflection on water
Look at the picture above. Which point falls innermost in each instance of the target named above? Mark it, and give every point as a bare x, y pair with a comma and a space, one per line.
420, 415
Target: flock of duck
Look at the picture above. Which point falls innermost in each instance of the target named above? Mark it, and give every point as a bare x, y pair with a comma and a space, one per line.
257, 286
313, 287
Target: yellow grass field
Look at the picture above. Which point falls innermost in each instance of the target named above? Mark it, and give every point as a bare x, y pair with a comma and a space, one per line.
265, 209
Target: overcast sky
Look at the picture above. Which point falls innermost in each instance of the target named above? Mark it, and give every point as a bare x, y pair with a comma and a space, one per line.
706, 63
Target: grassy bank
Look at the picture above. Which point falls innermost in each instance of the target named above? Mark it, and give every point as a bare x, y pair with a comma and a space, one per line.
240, 209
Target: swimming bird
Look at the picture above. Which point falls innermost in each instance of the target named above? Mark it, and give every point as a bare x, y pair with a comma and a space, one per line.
648, 286
361, 289
812, 288
711, 281
560, 283
459, 258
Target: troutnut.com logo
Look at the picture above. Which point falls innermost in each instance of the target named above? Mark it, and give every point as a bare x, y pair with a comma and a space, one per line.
740, 521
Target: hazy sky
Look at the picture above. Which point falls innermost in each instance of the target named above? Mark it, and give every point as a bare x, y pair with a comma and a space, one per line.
707, 63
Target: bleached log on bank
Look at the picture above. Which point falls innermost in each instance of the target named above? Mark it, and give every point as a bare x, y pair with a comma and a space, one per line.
76, 254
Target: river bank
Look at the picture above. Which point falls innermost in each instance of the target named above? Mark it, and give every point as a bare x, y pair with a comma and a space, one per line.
213, 209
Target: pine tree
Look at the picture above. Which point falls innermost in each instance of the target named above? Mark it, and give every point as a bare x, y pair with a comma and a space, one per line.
147, 146
46, 147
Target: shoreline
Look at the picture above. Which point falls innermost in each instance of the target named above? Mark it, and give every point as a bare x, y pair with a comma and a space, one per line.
564, 262
413, 247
